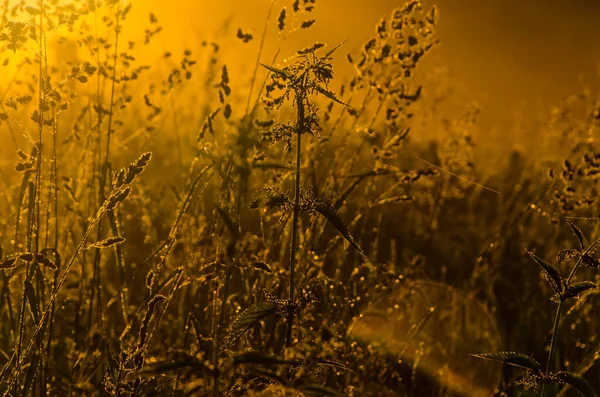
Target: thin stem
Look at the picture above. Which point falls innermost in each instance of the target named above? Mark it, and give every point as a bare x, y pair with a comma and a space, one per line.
552, 344
299, 130
112, 89
258, 56
558, 313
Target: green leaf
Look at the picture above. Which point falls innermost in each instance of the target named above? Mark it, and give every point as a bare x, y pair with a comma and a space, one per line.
512, 358
248, 319
553, 276
275, 70
576, 382
575, 289
329, 212
578, 234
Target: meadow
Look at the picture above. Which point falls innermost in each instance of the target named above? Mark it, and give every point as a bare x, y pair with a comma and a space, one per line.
168, 228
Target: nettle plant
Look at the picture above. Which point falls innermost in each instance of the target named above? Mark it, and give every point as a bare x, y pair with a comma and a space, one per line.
565, 289
308, 76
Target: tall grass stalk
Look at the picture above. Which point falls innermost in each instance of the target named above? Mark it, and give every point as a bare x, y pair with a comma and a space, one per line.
300, 95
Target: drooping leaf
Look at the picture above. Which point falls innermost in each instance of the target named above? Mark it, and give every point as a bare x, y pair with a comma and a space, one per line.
512, 358
576, 289
578, 234
552, 274
248, 319
576, 382
329, 212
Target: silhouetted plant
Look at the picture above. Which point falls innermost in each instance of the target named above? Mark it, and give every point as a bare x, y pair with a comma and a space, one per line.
564, 289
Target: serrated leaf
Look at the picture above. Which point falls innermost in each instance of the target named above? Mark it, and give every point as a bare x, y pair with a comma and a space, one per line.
330, 95
552, 273
248, 319
31, 298
512, 358
275, 70
576, 382
575, 289
329, 212
578, 234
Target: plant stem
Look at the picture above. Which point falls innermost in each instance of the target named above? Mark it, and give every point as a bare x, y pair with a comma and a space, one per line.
299, 130
591, 248
552, 344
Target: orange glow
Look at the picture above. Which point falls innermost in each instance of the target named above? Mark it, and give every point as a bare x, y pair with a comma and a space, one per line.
302, 197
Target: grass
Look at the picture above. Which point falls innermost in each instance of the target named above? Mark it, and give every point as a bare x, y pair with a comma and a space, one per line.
166, 230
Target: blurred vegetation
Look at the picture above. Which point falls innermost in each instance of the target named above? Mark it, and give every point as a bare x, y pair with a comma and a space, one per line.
167, 229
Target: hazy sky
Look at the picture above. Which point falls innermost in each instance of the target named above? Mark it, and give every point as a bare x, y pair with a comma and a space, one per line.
506, 54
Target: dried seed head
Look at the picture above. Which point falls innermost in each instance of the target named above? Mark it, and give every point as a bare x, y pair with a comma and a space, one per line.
147, 317
244, 36
307, 24
281, 19
108, 242
150, 280
116, 197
